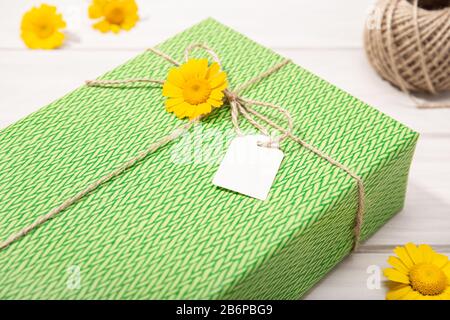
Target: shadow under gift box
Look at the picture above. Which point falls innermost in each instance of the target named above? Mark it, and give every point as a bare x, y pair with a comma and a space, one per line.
162, 229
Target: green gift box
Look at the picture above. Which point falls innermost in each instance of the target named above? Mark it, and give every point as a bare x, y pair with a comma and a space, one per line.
162, 230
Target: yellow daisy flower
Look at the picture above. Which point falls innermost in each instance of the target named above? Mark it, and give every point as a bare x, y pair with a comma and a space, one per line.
40, 28
114, 15
418, 273
194, 88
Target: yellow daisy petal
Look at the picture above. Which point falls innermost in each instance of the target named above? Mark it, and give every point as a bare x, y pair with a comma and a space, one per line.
176, 77
217, 94
47, 9
404, 257
412, 295
55, 41
194, 68
100, 3
446, 270
171, 90
190, 111
173, 102
398, 292
127, 26
443, 296
103, 26
131, 6
202, 68
215, 103
414, 253
203, 108
422, 297
95, 11
446, 294
427, 252
115, 28
129, 23
396, 276
183, 110
29, 40
222, 87
214, 68
218, 80
398, 265
61, 24
187, 69
439, 260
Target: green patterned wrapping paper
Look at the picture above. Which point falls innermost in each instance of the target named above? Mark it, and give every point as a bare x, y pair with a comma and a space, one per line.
162, 230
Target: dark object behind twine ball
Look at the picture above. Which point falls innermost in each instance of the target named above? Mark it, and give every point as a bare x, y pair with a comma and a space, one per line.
409, 46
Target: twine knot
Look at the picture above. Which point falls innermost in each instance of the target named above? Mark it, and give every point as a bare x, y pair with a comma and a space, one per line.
230, 96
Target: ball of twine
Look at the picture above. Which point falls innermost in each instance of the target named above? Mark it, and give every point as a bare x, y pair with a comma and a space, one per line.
410, 47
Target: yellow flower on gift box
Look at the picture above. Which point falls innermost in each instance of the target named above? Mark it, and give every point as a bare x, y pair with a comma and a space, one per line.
418, 273
41, 28
194, 88
114, 15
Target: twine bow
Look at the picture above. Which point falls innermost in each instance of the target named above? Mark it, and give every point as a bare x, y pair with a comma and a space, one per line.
239, 107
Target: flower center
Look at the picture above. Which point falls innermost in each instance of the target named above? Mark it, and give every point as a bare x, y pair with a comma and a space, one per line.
44, 30
427, 279
196, 91
115, 15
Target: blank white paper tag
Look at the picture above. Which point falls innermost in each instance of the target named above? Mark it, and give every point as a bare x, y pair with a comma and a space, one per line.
248, 168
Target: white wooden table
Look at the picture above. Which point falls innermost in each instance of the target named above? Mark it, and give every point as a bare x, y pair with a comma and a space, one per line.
322, 36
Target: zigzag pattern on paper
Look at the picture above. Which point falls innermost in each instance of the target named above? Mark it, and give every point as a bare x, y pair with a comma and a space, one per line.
161, 229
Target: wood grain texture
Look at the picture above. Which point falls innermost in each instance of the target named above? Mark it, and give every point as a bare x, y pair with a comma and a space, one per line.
324, 37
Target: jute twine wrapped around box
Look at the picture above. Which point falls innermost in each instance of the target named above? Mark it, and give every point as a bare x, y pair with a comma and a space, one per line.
409, 46
241, 108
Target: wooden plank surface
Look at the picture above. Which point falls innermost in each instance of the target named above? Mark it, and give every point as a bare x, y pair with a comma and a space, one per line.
322, 36
63, 70
281, 23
